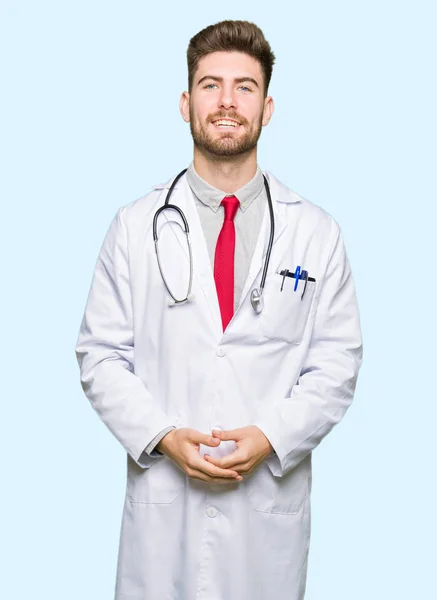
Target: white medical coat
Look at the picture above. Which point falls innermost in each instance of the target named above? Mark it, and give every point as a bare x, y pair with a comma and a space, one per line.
290, 370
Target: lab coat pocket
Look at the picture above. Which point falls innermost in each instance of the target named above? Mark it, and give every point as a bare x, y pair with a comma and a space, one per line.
278, 495
159, 484
286, 312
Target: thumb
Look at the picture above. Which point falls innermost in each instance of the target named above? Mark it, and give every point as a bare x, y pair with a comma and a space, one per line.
204, 438
231, 434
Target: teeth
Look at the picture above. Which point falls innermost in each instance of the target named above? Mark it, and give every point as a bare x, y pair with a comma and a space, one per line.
226, 123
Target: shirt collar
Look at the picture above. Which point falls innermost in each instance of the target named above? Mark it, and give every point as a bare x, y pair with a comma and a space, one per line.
212, 197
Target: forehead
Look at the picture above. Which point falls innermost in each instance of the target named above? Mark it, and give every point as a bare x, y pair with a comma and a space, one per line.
229, 64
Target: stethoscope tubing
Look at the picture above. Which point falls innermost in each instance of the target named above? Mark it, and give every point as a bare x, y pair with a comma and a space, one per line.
271, 237
167, 205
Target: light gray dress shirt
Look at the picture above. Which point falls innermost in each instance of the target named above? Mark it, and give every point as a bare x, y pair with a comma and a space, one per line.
253, 200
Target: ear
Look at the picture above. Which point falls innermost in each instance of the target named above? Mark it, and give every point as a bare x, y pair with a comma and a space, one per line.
184, 106
269, 107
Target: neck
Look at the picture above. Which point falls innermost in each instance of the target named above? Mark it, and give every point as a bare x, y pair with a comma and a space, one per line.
226, 173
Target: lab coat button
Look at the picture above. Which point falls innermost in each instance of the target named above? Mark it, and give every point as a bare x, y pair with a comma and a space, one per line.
211, 512
221, 351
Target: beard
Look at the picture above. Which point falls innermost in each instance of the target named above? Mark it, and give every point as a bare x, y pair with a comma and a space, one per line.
225, 143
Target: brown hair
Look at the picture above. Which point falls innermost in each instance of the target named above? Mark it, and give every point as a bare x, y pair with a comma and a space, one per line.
227, 36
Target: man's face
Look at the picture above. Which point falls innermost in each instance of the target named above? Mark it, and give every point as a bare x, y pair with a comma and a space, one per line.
226, 108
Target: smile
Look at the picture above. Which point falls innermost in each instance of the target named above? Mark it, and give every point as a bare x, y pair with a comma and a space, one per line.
226, 124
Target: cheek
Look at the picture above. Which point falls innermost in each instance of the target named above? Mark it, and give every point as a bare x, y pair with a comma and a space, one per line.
204, 109
201, 117
252, 112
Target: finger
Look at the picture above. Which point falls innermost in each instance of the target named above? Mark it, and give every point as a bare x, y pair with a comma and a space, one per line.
203, 438
213, 470
229, 461
242, 468
220, 480
200, 464
213, 460
232, 434
219, 462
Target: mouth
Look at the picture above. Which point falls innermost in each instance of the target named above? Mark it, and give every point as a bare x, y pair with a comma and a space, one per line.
226, 124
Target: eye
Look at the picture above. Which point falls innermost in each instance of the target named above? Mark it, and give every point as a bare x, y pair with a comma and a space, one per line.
209, 85
245, 88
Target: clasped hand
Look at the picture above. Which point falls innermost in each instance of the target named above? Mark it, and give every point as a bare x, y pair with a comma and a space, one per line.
183, 445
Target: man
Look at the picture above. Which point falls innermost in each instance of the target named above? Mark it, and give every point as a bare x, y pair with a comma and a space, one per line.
219, 400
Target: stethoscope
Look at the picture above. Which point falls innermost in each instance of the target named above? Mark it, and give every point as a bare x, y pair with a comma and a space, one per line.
256, 296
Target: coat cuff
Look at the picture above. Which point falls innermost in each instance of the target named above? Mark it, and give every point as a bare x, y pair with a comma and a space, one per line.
150, 448
146, 455
273, 461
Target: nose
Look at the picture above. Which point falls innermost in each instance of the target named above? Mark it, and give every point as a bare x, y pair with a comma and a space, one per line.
227, 98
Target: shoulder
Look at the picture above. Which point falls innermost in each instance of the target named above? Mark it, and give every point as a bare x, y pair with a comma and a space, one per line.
294, 206
143, 208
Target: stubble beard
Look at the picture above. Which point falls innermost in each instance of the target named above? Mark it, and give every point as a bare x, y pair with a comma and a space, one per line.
226, 144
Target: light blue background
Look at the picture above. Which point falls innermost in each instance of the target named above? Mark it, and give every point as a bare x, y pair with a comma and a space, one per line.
89, 121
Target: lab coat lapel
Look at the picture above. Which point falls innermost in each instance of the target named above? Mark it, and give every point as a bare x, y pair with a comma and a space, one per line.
182, 196
259, 254
202, 271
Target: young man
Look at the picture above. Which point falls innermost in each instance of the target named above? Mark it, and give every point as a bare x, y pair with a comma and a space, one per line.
220, 391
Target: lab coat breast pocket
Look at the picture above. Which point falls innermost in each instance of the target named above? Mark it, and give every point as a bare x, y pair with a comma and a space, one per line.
161, 483
286, 312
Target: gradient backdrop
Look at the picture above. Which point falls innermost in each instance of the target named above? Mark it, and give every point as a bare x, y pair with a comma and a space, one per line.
89, 121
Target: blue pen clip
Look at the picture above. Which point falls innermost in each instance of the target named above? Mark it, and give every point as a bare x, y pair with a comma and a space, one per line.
296, 275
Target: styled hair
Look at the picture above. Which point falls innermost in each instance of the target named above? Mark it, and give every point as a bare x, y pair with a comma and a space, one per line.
228, 36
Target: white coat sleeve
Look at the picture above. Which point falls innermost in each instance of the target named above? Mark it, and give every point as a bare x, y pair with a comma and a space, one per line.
105, 352
296, 425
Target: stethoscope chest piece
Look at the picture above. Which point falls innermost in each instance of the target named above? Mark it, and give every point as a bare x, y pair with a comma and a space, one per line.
257, 301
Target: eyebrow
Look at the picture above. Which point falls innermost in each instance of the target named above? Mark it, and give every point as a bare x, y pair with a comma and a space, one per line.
220, 79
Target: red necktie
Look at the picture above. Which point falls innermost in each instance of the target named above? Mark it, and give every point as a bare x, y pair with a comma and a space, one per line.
224, 260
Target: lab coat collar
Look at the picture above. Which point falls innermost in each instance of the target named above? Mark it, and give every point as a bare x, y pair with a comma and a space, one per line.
280, 193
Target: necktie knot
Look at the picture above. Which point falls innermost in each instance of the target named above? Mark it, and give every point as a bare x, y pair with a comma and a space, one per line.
230, 204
